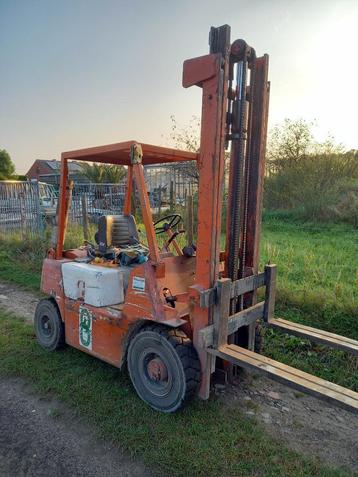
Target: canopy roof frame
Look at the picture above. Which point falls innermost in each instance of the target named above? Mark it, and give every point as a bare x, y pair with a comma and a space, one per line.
119, 154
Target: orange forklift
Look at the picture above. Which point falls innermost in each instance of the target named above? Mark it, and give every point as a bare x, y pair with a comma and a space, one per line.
174, 316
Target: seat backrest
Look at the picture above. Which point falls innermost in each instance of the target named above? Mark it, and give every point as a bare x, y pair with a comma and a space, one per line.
117, 231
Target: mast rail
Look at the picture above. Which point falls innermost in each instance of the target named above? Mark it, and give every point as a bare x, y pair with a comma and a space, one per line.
238, 288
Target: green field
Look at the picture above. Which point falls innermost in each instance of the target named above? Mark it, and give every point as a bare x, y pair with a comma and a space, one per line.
317, 285
317, 270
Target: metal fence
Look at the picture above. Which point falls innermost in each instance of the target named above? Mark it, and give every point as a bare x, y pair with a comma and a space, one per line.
28, 208
97, 200
168, 186
21, 209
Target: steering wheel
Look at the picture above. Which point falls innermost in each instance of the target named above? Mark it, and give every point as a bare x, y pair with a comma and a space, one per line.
170, 221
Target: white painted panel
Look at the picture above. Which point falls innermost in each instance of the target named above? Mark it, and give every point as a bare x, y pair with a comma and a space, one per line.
98, 286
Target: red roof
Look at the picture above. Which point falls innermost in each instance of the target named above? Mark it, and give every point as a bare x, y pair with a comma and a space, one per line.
119, 154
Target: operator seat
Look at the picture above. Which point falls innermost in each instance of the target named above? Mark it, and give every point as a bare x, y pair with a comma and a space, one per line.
116, 231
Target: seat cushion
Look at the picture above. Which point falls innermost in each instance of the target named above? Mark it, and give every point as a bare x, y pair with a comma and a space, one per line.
117, 231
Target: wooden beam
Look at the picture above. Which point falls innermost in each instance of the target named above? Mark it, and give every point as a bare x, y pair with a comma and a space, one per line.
247, 284
85, 223
238, 287
292, 377
242, 318
313, 334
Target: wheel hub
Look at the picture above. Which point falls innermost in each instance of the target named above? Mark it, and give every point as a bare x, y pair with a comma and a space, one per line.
157, 371
46, 326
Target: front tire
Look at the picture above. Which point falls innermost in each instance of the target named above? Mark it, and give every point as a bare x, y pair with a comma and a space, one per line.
164, 367
49, 328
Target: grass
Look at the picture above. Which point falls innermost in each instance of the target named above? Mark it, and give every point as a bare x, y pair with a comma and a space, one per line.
317, 286
21, 260
205, 439
317, 271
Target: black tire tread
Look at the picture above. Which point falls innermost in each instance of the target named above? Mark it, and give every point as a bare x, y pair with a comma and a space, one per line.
187, 354
53, 305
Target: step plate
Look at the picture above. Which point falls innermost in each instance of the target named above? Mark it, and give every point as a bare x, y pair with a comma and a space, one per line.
313, 334
292, 377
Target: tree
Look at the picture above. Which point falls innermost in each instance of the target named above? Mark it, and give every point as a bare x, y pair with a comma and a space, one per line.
7, 167
188, 139
103, 173
292, 141
307, 175
113, 174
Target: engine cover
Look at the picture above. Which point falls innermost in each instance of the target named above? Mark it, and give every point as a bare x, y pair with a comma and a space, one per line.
97, 286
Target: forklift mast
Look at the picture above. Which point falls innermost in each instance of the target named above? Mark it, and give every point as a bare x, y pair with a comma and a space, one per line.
224, 312
234, 117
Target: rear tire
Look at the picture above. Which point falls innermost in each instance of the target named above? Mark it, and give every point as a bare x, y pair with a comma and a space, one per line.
164, 367
49, 328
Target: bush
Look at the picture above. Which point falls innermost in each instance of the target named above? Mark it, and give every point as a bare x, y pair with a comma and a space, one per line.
346, 209
322, 186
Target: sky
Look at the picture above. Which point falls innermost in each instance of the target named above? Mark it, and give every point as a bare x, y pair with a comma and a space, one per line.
79, 73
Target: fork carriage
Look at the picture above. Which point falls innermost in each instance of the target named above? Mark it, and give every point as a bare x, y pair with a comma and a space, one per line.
214, 338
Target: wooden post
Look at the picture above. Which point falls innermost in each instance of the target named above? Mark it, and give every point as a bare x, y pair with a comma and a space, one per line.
41, 221
68, 206
189, 225
270, 279
22, 214
110, 197
85, 217
160, 200
221, 312
171, 199
54, 231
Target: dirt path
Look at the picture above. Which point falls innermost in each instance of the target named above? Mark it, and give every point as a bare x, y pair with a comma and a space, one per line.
18, 301
303, 423
41, 438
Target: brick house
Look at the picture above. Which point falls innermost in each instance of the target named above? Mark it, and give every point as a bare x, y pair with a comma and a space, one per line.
49, 171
